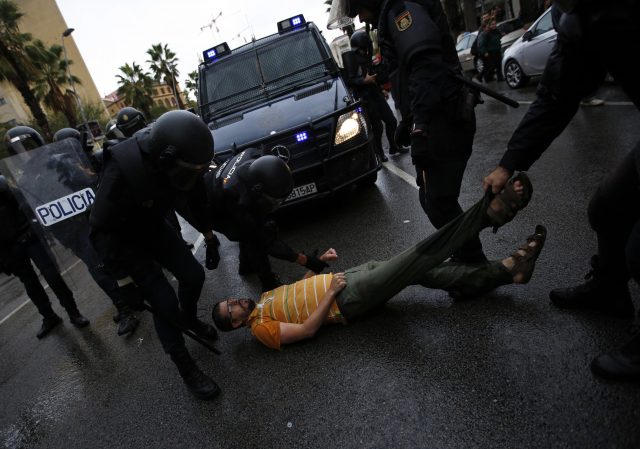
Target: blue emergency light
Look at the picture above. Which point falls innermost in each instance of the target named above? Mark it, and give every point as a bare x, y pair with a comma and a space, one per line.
216, 52
291, 23
301, 137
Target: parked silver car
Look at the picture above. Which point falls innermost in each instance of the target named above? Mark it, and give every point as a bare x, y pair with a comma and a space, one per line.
510, 29
528, 55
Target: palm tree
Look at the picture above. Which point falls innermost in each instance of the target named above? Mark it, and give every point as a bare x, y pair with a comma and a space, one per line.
163, 65
136, 86
191, 83
15, 66
51, 78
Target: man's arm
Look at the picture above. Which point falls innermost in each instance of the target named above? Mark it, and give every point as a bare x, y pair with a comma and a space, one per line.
292, 332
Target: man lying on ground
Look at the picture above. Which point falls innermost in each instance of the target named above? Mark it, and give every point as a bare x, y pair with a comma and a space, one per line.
294, 312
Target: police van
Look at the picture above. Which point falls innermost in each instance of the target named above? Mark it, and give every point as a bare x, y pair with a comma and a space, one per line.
284, 95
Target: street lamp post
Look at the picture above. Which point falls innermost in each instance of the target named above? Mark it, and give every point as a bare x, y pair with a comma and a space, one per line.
67, 33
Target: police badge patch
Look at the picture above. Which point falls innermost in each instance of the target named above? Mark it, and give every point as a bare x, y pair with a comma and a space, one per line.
404, 21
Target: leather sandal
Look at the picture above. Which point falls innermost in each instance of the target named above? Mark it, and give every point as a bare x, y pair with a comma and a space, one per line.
509, 201
525, 263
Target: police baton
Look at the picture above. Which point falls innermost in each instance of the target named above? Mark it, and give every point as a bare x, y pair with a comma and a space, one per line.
181, 328
485, 90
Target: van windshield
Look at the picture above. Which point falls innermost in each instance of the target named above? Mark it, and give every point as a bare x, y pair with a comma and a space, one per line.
269, 67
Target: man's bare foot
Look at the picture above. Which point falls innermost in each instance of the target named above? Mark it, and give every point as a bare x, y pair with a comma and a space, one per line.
522, 263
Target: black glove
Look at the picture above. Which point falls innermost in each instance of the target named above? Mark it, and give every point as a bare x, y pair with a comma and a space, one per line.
212, 255
314, 263
419, 148
402, 136
132, 296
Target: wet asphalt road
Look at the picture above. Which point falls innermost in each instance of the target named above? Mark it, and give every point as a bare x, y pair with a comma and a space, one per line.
507, 370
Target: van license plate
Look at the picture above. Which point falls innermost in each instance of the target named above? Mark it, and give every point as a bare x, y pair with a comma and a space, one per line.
300, 191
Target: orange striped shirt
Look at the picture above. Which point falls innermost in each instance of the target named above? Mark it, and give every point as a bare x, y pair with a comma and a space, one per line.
292, 303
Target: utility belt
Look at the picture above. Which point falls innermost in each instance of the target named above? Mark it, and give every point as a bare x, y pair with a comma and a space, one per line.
460, 107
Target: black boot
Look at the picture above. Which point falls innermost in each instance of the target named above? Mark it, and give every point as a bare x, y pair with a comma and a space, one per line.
623, 364
127, 321
76, 318
597, 293
48, 323
201, 385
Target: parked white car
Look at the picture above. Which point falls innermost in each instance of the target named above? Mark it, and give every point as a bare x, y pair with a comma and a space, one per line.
528, 55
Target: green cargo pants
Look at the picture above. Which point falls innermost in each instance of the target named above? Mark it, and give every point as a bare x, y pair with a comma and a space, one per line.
372, 284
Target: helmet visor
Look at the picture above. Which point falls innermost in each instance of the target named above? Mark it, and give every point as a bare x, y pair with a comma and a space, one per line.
341, 14
22, 144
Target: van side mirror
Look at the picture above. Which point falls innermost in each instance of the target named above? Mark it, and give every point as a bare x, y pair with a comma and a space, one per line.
527, 36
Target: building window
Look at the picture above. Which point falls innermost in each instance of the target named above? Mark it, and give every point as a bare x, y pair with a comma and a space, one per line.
2, 101
173, 101
166, 102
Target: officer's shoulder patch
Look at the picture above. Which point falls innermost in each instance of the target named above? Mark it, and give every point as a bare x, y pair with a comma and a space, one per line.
404, 21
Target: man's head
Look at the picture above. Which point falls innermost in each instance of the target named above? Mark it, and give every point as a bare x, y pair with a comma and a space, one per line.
270, 181
21, 139
232, 314
129, 120
181, 146
361, 43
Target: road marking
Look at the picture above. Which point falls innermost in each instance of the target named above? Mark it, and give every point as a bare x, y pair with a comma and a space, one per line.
411, 180
46, 286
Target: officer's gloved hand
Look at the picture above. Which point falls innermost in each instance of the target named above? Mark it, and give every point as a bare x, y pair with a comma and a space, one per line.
419, 147
314, 263
212, 258
402, 136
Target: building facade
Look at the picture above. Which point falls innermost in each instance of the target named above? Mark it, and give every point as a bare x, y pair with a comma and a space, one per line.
162, 96
44, 21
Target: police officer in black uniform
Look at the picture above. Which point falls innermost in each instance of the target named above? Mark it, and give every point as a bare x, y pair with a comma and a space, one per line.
416, 42
129, 121
594, 38
365, 84
94, 156
18, 247
158, 169
21, 139
242, 194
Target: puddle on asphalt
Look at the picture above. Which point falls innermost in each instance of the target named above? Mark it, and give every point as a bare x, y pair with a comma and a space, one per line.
49, 407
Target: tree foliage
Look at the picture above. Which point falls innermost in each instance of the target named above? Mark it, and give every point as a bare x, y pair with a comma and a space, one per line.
163, 65
136, 86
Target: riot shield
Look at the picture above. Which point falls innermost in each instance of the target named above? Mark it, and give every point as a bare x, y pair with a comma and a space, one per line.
56, 185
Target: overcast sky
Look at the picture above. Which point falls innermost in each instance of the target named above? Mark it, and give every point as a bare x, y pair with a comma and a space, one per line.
119, 31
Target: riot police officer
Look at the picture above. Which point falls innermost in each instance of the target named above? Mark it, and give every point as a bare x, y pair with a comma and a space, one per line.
18, 247
129, 120
366, 86
416, 41
95, 157
22, 139
242, 193
160, 168
586, 49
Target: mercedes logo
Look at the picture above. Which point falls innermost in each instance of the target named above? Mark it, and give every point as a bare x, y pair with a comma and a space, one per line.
282, 152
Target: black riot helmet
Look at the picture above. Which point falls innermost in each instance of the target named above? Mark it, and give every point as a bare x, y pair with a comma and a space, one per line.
352, 7
21, 139
112, 132
270, 180
361, 42
129, 120
66, 133
181, 145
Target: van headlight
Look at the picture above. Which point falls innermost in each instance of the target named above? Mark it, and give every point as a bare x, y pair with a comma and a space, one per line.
350, 125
